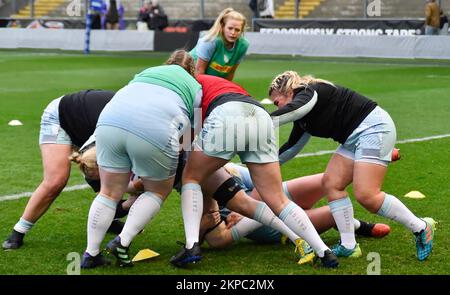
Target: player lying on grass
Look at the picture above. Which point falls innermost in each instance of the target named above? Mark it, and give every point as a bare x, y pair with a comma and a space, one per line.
227, 191
304, 191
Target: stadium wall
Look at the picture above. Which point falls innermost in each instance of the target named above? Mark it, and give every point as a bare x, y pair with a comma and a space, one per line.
434, 47
73, 39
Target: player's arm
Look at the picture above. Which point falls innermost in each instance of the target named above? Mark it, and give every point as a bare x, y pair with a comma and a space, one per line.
135, 186
200, 67
296, 142
205, 51
300, 106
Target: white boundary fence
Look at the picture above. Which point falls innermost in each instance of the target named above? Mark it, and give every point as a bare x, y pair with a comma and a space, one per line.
433, 47
73, 39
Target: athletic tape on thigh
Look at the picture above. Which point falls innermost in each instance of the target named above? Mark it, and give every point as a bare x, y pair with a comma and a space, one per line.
226, 191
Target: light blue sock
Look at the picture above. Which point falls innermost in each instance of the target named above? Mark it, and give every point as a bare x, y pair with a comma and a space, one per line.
394, 209
192, 209
342, 211
298, 222
23, 226
101, 214
146, 206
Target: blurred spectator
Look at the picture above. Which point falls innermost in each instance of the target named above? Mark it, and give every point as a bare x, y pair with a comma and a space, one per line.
262, 8
253, 4
36, 24
13, 24
95, 14
443, 24
96, 20
153, 15
113, 18
432, 18
265, 8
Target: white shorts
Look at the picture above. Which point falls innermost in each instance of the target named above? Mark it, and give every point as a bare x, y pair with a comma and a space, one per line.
372, 141
51, 131
121, 151
239, 128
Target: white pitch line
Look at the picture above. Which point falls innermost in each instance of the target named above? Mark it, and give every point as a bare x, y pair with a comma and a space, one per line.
28, 194
319, 153
423, 138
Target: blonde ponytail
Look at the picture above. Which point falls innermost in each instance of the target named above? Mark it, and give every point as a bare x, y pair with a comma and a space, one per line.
86, 161
291, 80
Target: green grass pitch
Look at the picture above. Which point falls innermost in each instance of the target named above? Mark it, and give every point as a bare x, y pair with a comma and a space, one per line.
415, 93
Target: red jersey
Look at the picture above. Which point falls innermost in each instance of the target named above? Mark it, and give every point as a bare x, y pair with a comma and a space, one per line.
214, 87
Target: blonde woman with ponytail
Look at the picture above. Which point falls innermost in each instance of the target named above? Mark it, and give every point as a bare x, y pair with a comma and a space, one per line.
366, 134
222, 49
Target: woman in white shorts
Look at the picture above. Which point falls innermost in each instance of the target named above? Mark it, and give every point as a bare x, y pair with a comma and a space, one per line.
139, 132
236, 124
367, 136
67, 123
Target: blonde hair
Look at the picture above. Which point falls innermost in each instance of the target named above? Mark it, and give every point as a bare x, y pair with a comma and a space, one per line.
291, 80
86, 161
182, 58
224, 16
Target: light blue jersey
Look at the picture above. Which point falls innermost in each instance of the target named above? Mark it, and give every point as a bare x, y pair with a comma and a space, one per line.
149, 111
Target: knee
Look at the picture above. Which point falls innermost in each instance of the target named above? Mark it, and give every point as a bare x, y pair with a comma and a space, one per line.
329, 184
53, 187
371, 201
219, 239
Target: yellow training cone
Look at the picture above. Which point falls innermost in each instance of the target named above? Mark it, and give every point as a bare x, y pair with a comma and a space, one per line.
145, 254
415, 195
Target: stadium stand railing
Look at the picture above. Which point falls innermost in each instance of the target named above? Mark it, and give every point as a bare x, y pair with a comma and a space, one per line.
192, 9
175, 9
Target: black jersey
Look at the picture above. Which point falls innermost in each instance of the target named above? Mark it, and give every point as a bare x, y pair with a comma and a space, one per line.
324, 110
79, 112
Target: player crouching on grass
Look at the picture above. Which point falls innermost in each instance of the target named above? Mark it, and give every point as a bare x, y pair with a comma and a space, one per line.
66, 124
367, 136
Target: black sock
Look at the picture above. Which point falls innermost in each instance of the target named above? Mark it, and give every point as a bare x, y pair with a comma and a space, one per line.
120, 212
116, 227
15, 235
365, 229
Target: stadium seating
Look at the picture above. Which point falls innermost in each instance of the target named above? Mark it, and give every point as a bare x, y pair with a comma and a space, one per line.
287, 9
41, 8
354, 9
190, 9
